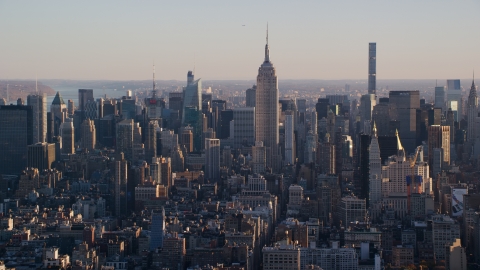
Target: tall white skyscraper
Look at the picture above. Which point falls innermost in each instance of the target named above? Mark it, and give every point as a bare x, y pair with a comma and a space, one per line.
375, 163
266, 111
472, 113
39, 106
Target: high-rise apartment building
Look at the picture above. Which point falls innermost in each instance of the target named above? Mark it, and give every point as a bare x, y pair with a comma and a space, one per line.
372, 68
266, 110
16, 132
39, 107
212, 160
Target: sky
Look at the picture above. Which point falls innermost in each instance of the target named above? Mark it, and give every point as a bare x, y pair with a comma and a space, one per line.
224, 40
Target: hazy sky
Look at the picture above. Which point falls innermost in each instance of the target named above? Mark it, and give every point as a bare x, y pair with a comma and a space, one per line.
119, 40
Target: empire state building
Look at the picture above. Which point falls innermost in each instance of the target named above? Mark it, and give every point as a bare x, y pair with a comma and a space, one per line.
266, 111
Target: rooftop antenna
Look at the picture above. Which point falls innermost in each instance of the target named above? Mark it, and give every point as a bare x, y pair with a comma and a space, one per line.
154, 92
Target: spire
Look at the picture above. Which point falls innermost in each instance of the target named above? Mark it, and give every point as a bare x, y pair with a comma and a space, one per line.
267, 53
375, 129
154, 92
472, 96
473, 80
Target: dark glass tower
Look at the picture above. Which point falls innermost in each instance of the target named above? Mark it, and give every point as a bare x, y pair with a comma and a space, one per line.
372, 68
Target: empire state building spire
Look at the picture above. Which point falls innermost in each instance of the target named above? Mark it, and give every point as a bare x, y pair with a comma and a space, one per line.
267, 52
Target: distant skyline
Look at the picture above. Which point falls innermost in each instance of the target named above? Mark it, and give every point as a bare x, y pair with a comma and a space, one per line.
224, 40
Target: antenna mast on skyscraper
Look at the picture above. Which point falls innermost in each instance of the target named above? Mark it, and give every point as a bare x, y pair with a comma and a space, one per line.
154, 92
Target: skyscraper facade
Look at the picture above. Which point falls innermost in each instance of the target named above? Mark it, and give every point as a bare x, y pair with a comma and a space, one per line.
192, 94
375, 169
88, 131
372, 68
289, 138
151, 140
454, 99
84, 95
59, 111
266, 110
16, 132
440, 97
243, 127
157, 229
472, 112
41, 156
212, 160
124, 141
39, 107
404, 105
439, 137
250, 96
67, 132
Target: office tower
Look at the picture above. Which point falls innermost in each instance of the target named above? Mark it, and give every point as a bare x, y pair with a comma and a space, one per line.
439, 137
322, 107
58, 110
84, 95
151, 140
454, 99
363, 164
39, 107
367, 102
440, 97
89, 139
250, 96
351, 209
41, 156
70, 107
124, 138
444, 231
405, 105
259, 161
212, 160
155, 170
157, 229
194, 120
186, 140
289, 138
326, 156
166, 172
50, 127
435, 116
244, 127
138, 150
178, 161
472, 112
372, 68
310, 150
91, 110
120, 186
381, 117
192, 94
456, 257
208, 134
223, 131
375, 169
266, 111
67, 132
